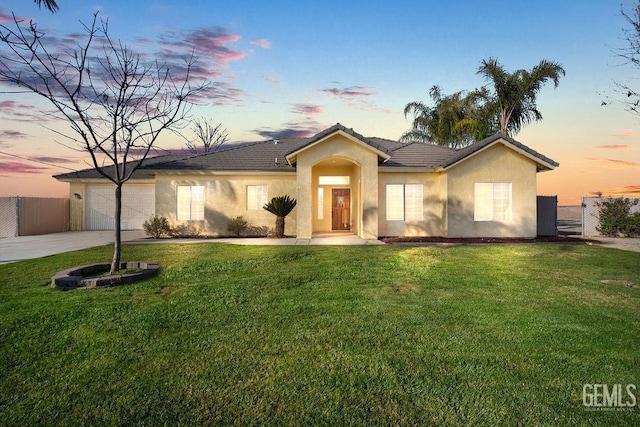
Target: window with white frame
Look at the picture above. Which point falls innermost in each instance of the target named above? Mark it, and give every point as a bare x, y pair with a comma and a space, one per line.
256, 197
190, 202
405, 202
320, 203
334, 180
492, 201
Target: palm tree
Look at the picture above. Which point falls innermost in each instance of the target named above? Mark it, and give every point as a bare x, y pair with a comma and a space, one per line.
49, 4
280, 206
454, 121
515, 93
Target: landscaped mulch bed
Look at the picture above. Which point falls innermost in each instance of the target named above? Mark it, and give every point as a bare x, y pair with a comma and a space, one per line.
90, 276
482, 240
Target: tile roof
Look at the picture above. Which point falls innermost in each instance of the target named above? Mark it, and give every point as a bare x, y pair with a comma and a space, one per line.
473, 148
269, 156
259, 156
145, 171
416, 154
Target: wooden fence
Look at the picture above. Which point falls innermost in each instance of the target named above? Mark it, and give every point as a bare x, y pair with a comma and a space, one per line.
28, 216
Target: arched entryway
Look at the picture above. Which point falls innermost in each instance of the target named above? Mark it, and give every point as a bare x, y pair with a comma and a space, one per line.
337, 206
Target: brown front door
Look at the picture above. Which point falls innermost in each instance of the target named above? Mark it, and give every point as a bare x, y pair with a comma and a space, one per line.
340, 204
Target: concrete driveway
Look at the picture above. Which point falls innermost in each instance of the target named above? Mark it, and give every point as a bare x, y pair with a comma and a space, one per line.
623, 243
27, 247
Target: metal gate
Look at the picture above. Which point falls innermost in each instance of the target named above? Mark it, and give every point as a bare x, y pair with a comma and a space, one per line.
547, 215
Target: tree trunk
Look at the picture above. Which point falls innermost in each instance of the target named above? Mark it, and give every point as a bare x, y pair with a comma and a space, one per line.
280, 226
117, 243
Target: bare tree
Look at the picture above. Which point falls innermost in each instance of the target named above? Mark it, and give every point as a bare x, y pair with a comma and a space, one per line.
631, 54
210, 137
115, 105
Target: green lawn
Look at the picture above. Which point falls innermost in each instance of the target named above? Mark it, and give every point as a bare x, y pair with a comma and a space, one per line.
468, 335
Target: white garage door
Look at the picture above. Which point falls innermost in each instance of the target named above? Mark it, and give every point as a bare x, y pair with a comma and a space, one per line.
138, 204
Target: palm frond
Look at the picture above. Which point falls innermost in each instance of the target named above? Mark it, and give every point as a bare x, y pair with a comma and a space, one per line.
280, 206
49, 4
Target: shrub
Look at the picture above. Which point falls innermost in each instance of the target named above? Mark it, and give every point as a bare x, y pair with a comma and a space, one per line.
615, 218
634, 223
237, 225
157, 226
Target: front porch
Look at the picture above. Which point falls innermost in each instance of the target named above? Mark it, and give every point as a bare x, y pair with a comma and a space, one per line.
337, 186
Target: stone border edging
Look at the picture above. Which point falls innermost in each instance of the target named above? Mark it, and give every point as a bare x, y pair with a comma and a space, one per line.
85, 276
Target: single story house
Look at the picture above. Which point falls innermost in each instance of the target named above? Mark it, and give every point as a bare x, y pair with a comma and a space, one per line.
342, 181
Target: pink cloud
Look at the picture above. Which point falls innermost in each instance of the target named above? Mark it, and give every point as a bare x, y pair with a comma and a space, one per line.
626, 190
627, 133
49, 159
6, 16
301, 129
307, 109
614, 147
271, 79
221, 93
349, 92
11, 134
263, 43
615, 163
287, 132
19, 167
212, 47
357, 97
208, 44
11, 106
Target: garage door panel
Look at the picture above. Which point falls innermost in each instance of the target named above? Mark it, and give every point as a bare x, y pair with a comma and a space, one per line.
138, 204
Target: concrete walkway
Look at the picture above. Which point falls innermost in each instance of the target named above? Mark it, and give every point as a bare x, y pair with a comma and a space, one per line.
14, 249
623, 243
341, 239
27, 247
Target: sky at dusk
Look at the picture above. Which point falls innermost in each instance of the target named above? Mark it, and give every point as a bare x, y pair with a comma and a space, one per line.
292, 68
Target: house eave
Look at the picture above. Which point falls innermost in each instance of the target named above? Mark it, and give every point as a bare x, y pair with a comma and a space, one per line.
205, 172
103, 180
406, 169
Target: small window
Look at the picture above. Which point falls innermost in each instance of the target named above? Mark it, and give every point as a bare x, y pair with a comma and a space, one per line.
492, 201
256, 197
320, 203
334, 180
190, 202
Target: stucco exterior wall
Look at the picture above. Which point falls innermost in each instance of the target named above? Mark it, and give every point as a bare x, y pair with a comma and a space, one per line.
494, 164
226, 198
365, 211
433, 205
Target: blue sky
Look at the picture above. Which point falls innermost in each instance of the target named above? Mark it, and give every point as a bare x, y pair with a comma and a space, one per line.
294, 68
